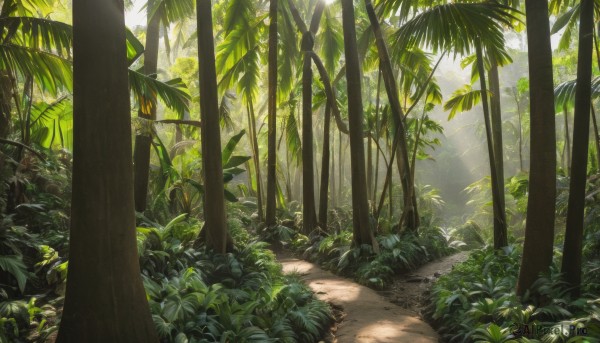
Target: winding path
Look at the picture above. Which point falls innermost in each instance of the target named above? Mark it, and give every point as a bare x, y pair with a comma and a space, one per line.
369, 318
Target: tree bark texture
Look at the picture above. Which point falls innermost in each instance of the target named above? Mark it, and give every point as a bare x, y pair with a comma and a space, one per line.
105, 299
571, 262
539, 229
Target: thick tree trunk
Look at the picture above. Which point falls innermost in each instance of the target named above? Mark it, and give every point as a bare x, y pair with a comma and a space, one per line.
539, 230
500, 232
272, 104
410, 215
571, 262
105, 299
141, 158
363, 233
214, 199
325, 169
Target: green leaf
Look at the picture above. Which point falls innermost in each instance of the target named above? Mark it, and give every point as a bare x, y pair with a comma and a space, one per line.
230, 196
235, 161
230, 147
14, 265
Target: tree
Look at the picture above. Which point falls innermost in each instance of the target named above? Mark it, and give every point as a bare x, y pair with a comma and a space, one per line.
272, 103
105, 299
410, 214
571, 263
494, 141
539, 229
363, 233
214, 199
143, 140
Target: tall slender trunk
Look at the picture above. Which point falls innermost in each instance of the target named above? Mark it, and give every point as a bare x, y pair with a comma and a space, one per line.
325, 168
363, 232
567, 148
143, 140
377, 132
539, 229
499, 215
520, 135
105, 298
272, 144
410, 215
214, 200
309, 219
500, 232
340, 169
256, 158
596, 135
571, 262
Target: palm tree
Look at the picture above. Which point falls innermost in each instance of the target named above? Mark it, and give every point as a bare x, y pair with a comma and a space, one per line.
571, 263
539, 229
105, 299
363, 232
157, 12
214, 199
272, 104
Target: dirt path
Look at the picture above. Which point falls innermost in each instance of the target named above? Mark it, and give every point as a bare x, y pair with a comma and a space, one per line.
407, 290
369, 318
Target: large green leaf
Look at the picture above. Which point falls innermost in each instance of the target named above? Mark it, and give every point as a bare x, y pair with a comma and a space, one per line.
14, 265
230, 146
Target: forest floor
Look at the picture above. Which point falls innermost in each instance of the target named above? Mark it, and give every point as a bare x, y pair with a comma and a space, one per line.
368, 316
408, 290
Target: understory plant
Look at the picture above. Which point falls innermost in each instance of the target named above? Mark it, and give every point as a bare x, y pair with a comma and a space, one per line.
476, 302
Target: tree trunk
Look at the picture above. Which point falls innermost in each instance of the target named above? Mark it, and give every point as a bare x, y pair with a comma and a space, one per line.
377, 132
272, 144
105, 299
567, 149
410, 215
596, 135
309, 219
499, 215
325, 168
500, 232
256, 158
571, 262
363, 233
539, 230
214, 199
141, 158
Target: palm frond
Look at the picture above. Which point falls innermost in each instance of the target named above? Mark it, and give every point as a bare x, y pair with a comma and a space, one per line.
51, 72
564, 93
39, 34
462, 100
173, 93
331, 40
455, 26
294, 143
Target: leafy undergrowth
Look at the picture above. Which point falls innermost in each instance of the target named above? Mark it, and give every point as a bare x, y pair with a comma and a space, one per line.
477, 302
194, 294
198, 296
399, 253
